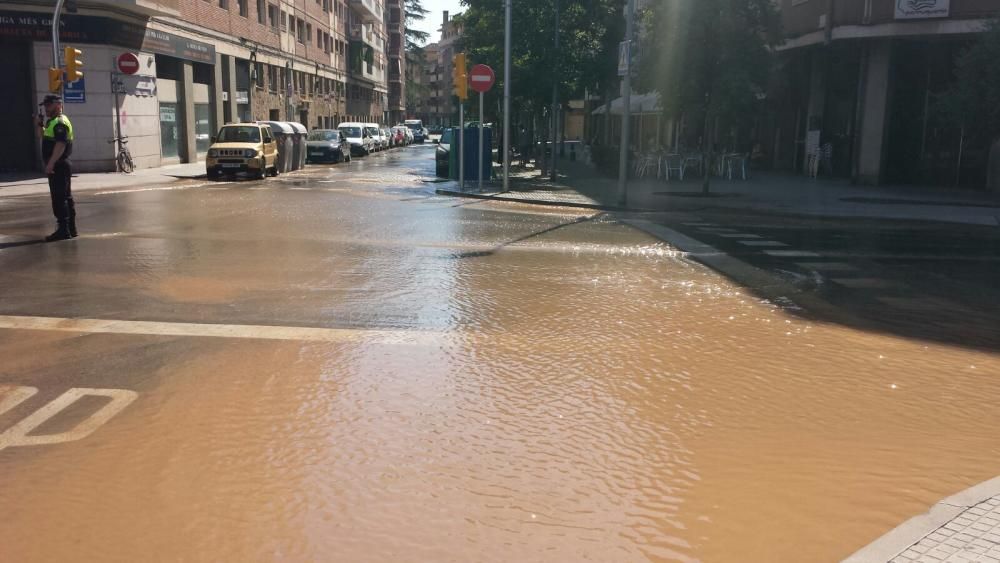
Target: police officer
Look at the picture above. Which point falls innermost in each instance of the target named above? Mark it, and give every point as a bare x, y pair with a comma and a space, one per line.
57, 146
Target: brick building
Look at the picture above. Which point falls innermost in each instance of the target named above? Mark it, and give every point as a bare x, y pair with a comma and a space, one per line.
202, 63
436, 104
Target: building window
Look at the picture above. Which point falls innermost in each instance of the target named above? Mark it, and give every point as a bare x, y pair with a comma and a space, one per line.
309, 33
224, 4
301, 25
262, 12
272, 15
272, 79
242, 4
319, 38
284, 20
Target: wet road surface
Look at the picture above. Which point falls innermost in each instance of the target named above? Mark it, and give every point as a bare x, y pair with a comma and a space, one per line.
342, 366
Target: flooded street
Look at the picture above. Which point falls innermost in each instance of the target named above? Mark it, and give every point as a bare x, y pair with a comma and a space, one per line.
342, 366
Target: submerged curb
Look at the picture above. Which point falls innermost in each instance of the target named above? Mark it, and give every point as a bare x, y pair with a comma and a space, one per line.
497, 196
917, 528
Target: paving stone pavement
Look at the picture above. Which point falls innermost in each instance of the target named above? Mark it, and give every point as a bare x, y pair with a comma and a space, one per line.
972, 536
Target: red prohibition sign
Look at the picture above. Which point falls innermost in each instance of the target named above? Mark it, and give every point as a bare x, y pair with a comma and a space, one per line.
482, 78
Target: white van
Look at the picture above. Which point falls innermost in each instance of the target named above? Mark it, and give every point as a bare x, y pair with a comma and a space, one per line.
419, 131
357, 134
378, 137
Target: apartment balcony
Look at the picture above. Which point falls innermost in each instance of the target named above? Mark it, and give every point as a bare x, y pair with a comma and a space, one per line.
369, 10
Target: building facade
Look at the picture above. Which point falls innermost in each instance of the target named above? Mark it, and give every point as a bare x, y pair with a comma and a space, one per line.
435, 103
861, 77
203, 63
395, 24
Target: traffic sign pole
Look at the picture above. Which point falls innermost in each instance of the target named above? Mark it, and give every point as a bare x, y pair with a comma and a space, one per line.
506, 95
480, 141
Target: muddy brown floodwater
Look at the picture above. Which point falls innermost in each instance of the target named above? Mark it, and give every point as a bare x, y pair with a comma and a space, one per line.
585, 394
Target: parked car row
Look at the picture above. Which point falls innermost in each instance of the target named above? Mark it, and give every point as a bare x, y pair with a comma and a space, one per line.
268, 148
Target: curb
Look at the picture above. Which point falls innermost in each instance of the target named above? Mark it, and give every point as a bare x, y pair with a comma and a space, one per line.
915, 529
547, 203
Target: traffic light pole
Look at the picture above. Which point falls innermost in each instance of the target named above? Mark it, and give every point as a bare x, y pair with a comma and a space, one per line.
506, 97
56, 14
461, 146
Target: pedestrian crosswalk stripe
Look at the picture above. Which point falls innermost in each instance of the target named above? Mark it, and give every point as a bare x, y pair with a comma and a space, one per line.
771, 243
828, 266
791, 254
864, 283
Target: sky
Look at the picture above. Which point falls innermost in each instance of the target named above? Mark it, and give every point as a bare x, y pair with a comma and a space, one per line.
432, 24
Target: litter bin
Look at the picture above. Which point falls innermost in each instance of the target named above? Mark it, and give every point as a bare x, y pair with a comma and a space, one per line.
283, 134
300, 134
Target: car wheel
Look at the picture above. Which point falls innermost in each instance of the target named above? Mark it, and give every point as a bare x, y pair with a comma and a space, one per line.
213, 175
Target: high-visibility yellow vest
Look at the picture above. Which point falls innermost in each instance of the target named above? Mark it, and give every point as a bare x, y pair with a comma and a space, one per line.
50, 128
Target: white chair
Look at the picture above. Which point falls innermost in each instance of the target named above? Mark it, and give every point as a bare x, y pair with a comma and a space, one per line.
674, 163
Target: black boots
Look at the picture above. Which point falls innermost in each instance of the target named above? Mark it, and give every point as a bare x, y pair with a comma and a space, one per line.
71, 224
61, 233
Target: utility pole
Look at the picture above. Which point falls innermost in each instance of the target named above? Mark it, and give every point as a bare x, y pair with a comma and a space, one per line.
506, 97
626, 106
555, 102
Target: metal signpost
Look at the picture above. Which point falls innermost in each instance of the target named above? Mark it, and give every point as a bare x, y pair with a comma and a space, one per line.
482, 79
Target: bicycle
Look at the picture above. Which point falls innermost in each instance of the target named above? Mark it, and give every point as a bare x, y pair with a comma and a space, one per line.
124, 158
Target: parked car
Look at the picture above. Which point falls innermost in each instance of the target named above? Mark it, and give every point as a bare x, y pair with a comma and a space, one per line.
376, 134
327, 145
399, 138
409, 135
387, 135
434, 133
442, 153
357, 135
417, 126
247, 148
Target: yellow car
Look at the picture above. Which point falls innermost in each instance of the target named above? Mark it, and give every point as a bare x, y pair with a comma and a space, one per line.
247, 148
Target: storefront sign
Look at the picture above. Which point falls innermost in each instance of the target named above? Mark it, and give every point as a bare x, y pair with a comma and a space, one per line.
242, 97
76, 28
168, 113
919, 9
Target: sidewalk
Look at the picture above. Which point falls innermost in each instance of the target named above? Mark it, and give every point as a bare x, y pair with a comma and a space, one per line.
960, 529
36, 183
581, 185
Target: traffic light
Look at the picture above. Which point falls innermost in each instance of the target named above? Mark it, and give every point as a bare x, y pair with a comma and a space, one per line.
461, 77
74, 65
55, 79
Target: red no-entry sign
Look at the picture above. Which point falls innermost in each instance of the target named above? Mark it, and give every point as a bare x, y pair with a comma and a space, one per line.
128, 63
482, 78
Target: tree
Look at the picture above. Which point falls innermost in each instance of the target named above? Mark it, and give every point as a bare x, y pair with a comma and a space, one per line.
709, 58
589, 33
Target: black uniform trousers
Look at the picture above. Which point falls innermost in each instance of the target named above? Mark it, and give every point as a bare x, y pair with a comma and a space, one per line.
62, 194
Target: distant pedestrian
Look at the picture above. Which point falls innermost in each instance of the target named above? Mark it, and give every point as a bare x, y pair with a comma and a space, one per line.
57, 147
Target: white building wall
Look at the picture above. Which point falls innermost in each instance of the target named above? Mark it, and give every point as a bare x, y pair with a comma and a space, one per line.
94, 120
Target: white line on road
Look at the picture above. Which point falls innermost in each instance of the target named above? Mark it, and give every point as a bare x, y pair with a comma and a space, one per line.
739, 235
791, 253
261, 332
11, 396
771, 243
17, 435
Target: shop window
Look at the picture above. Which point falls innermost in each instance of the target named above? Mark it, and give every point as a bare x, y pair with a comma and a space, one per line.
168, 130
202, 127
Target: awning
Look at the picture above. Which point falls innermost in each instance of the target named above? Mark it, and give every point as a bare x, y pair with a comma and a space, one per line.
640, 104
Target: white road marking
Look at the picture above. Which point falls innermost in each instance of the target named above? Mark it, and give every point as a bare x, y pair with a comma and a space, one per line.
739, 235
17, 435
828, 266
11, 396
300, 189
771, 243
261, 332
717, 230
791, 253
864, 283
